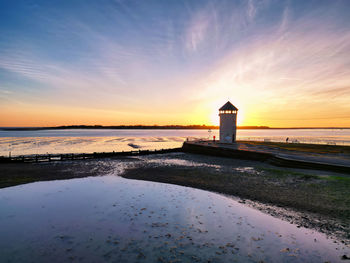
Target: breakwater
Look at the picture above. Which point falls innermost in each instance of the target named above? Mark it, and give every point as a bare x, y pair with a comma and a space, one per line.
213, 149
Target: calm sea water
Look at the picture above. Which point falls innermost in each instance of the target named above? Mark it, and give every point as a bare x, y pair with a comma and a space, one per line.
111, 219
77, 141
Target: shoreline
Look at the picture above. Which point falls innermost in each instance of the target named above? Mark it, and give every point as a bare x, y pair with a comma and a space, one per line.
332, 158
161, 127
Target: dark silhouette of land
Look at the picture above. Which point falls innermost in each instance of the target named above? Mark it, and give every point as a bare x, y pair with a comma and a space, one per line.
120, 127
152, 127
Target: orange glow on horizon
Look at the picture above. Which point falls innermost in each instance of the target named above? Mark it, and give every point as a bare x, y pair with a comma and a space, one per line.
177, 66
204, 113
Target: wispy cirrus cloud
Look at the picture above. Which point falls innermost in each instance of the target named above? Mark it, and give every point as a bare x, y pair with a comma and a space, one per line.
198, 30
287, 69
279, 55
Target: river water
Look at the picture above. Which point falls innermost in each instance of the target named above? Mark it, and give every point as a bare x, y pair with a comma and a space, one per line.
87, 141
111, 219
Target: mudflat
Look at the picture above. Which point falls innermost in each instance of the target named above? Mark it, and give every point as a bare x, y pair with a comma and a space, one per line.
308, 198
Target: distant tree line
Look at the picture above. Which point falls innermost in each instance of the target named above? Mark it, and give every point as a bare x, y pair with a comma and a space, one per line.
138, 127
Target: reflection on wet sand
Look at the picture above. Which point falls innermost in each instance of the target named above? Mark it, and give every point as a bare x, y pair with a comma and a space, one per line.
43, 145
114, 219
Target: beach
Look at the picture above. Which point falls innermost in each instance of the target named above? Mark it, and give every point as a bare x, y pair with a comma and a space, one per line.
307, 198
257, 193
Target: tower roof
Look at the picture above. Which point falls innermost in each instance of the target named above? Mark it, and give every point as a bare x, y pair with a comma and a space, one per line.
228, 106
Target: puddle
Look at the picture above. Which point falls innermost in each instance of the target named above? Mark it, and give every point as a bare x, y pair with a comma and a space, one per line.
171, 161
249, 170
113, 219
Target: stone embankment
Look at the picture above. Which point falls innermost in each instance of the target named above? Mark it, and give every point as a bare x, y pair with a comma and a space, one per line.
302, 156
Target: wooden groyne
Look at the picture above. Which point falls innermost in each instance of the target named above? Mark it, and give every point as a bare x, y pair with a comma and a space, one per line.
81, 156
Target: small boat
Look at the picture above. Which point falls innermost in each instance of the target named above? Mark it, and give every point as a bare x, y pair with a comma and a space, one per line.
135, 146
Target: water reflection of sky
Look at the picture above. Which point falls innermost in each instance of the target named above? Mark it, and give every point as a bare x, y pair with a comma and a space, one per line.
88, 141
113, 219
173, 161
43, 145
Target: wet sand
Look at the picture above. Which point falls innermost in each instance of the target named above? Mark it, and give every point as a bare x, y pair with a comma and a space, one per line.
307, 198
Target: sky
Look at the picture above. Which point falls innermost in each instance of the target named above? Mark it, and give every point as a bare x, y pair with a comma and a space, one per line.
281, 63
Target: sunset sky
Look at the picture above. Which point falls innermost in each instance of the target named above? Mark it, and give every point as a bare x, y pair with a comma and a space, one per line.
281, 63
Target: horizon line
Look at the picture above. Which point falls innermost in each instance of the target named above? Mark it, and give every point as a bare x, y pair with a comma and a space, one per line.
156, 126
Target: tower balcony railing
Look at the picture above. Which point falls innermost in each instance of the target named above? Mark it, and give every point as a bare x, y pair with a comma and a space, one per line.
227, 112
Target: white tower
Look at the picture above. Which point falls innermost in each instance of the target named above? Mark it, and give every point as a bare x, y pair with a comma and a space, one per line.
228, 123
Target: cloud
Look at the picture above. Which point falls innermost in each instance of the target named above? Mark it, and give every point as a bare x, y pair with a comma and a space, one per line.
254, 7
331, 93
294, 61
256, 52
251, 10
198, 30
